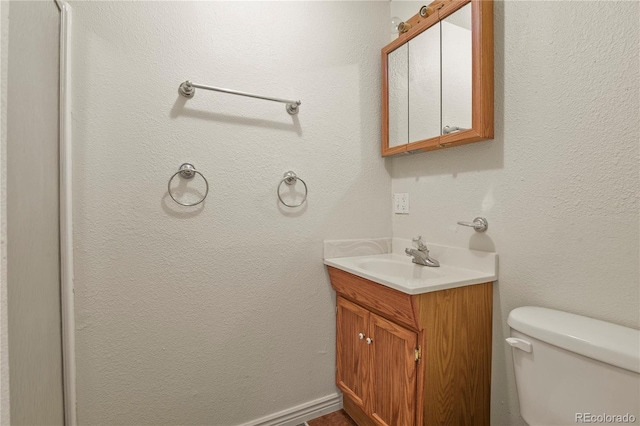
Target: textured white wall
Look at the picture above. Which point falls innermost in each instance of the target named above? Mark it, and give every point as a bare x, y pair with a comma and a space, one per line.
559, 184
220, 314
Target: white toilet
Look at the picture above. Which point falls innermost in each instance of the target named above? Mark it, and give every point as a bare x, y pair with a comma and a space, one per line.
572, 369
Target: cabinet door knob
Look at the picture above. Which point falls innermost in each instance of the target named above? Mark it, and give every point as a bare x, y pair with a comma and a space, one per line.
361, 336
369, 340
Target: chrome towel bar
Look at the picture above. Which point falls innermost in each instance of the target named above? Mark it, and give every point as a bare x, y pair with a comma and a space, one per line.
188, 89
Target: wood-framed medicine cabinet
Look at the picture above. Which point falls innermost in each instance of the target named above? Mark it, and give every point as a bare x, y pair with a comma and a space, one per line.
437, 79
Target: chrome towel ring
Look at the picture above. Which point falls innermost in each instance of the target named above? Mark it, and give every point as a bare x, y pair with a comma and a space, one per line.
187, 171
290, 178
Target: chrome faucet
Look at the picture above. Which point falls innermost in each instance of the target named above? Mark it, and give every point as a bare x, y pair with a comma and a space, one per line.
421, 253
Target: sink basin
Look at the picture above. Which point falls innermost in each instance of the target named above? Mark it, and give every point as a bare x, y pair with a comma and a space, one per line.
458, 267
397, 269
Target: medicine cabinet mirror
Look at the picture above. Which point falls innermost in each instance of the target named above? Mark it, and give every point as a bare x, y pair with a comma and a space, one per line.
437, 88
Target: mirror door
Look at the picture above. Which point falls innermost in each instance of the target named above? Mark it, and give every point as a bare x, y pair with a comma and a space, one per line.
399, 97
457, 73
424, 85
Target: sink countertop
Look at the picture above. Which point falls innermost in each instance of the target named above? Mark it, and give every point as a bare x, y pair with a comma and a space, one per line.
458, 267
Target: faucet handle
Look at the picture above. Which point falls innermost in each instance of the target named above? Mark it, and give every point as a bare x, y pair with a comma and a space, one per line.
419, 244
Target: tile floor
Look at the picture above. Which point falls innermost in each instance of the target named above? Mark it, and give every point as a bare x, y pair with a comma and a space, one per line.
337, 418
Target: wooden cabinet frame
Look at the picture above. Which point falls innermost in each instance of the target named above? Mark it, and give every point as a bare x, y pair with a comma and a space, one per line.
482, 78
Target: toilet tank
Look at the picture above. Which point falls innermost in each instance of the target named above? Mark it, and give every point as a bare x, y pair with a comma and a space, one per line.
572, 369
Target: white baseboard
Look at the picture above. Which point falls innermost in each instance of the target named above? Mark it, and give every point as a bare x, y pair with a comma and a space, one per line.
301, 413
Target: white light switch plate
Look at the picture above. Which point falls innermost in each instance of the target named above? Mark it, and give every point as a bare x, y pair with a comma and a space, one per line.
401, 203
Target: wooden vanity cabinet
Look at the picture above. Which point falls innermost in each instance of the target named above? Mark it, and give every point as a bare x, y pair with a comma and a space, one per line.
407, 360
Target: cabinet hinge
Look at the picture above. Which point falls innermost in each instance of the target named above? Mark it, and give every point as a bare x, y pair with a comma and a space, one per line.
417, 353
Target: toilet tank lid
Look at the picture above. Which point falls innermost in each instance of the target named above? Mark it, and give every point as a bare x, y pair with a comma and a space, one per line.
600, 340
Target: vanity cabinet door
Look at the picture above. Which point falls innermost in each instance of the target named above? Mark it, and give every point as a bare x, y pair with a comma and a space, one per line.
393, 370
351, 350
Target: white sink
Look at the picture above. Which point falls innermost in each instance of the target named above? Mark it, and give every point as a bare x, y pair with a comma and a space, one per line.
397, 268
458, 267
